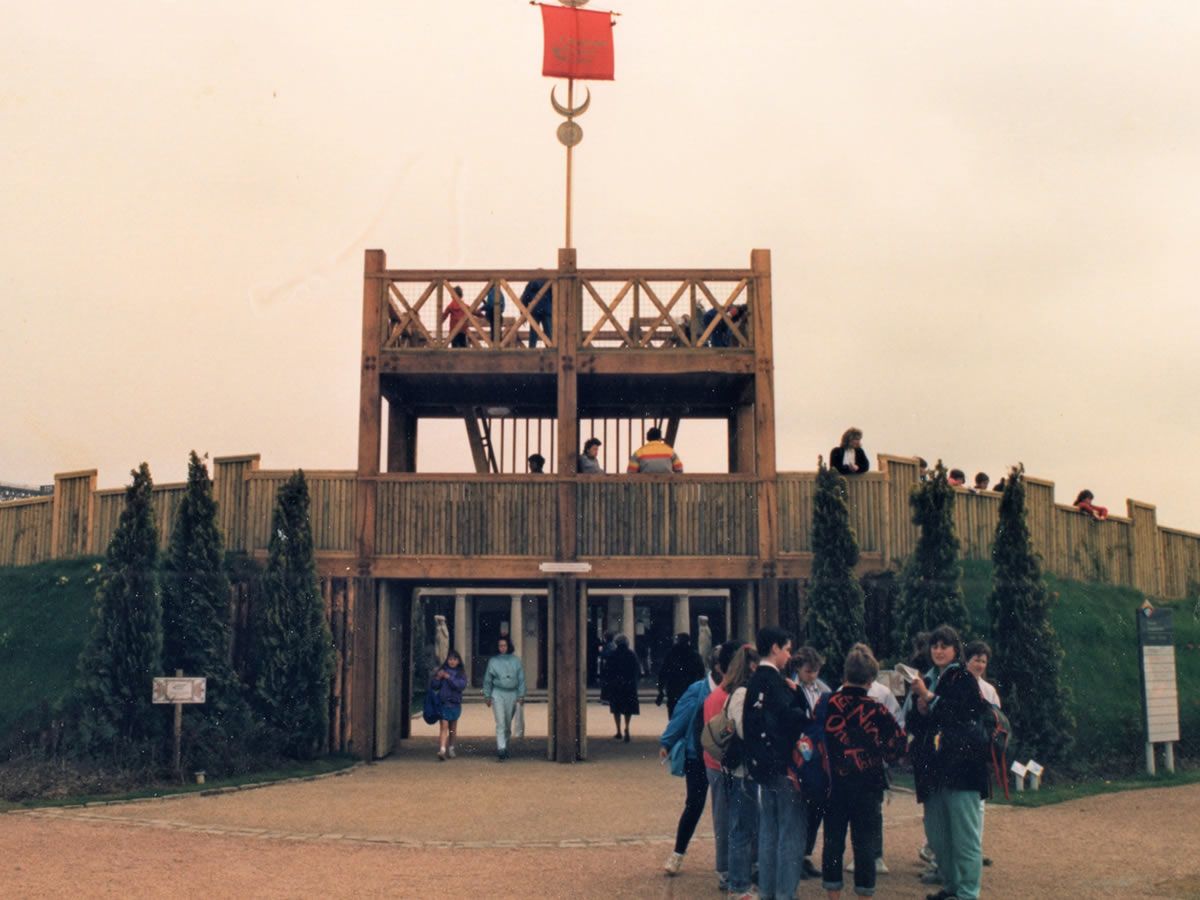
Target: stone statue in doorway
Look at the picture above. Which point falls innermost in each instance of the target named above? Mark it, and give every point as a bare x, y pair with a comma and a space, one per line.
441, 644
704, 638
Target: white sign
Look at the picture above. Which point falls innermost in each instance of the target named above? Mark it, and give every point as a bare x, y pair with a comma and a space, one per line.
1018, 769
1035, 769
565, 567
1162, 696
180, 690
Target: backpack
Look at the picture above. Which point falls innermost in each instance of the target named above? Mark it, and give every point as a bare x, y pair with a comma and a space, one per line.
808, 764
719, 734
432, 713
996, 729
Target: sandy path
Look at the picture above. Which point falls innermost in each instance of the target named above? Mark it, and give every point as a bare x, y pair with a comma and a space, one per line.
411, 826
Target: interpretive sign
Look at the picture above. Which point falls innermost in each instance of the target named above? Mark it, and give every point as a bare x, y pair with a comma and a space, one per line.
565, 568
180, 690
1156, 642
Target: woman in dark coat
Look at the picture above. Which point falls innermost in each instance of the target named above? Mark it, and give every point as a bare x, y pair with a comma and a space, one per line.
681, 668
950, 763
623, 672
849, 458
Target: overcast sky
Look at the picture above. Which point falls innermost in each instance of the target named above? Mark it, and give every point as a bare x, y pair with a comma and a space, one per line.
984, 217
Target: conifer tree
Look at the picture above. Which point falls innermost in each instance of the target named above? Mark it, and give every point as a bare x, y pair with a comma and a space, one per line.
196, 623
835, 598
931, 587
124, 653
294, 661
1027, 654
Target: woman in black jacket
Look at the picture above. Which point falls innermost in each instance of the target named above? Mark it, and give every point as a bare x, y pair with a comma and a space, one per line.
950, 764
849, 458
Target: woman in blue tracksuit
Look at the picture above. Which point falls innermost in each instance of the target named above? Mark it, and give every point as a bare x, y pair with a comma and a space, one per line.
503, 689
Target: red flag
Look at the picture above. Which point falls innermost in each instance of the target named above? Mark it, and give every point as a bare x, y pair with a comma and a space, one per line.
579, 43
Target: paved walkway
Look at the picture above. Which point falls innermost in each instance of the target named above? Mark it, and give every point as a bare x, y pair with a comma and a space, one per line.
473, 826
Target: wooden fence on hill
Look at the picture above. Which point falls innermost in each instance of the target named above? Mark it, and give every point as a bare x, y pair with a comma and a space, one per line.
689, 515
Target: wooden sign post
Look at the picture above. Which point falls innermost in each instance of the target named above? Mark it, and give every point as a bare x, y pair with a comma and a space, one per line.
1160, 697
179, 690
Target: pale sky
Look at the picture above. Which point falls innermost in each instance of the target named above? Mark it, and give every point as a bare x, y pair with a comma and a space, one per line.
984, 217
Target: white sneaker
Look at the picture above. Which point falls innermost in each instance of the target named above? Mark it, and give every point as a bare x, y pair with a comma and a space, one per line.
441, 754
849, 867
451, 753
881, 868
674, 864
926, 853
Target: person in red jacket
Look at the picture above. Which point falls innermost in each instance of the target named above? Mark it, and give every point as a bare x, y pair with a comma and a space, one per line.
1084, 504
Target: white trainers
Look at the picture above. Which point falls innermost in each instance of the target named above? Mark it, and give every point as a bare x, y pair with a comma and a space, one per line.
881, 868
926, 853
674, 864
451, 753
441, 754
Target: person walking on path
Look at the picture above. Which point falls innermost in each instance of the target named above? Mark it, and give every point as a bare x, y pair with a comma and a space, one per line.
774, 717
655, 456
621, 678
949, 766
681, 668
449, 680
861, 738
503, 689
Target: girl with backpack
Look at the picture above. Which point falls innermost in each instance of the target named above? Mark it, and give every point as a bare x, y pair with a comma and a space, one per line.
950, 764
742, 811
449, 681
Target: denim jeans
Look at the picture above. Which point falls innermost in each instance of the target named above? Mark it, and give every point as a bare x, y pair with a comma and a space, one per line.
743, 828
718, 788
858, 809
782, 827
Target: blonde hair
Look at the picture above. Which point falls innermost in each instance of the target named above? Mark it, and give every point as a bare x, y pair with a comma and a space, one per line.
740, 668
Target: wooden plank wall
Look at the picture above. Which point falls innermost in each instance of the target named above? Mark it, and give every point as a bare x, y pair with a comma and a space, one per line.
73, 513
667, 517
230, 490
25, 527
689, 515
464, 515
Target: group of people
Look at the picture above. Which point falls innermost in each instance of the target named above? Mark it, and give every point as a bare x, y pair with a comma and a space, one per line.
655, 456
537, 298
503, 692
799, 756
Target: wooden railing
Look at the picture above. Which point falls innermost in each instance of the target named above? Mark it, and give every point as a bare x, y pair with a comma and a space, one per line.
465, 515
690, 515
632, 309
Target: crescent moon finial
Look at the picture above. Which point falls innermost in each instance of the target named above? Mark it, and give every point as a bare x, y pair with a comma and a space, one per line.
566, 110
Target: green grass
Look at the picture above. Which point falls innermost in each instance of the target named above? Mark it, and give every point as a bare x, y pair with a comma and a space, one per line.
45, 617
1095, 623
321, 766
1076, 790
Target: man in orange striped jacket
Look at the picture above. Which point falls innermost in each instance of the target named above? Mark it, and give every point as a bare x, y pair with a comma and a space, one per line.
655, 456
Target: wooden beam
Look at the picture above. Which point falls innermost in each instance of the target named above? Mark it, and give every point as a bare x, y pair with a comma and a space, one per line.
366, 612
674, 569
764, 436
466, 361
402, 438
567, 684
622, 361
370, 409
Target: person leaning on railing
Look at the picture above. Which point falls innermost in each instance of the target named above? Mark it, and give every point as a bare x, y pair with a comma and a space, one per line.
457, 312
1084, 503
588, 463
849, 458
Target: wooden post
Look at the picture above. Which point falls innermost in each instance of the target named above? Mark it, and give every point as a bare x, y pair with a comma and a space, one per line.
764, 437
370, 410
565, 591
363, 635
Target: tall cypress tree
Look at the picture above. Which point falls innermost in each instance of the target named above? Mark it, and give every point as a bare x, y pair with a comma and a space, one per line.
1028, 655
931, 587
294, 648
124, 652
835, 598
196, 623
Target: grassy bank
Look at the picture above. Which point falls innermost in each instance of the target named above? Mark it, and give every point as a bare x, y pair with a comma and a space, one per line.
45, 618
1096, 625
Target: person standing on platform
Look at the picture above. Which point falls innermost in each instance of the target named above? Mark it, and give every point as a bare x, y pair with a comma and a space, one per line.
848, 457
588, 463
774, 717
543, 313
503, 689
655, 456
622, 672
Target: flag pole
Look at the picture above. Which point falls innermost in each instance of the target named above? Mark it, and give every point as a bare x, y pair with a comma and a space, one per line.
570, 149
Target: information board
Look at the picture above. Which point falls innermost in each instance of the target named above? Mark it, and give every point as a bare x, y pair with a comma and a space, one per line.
1156, 654
180, 690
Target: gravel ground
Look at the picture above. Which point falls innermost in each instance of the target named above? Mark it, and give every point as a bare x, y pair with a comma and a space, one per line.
411, 826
